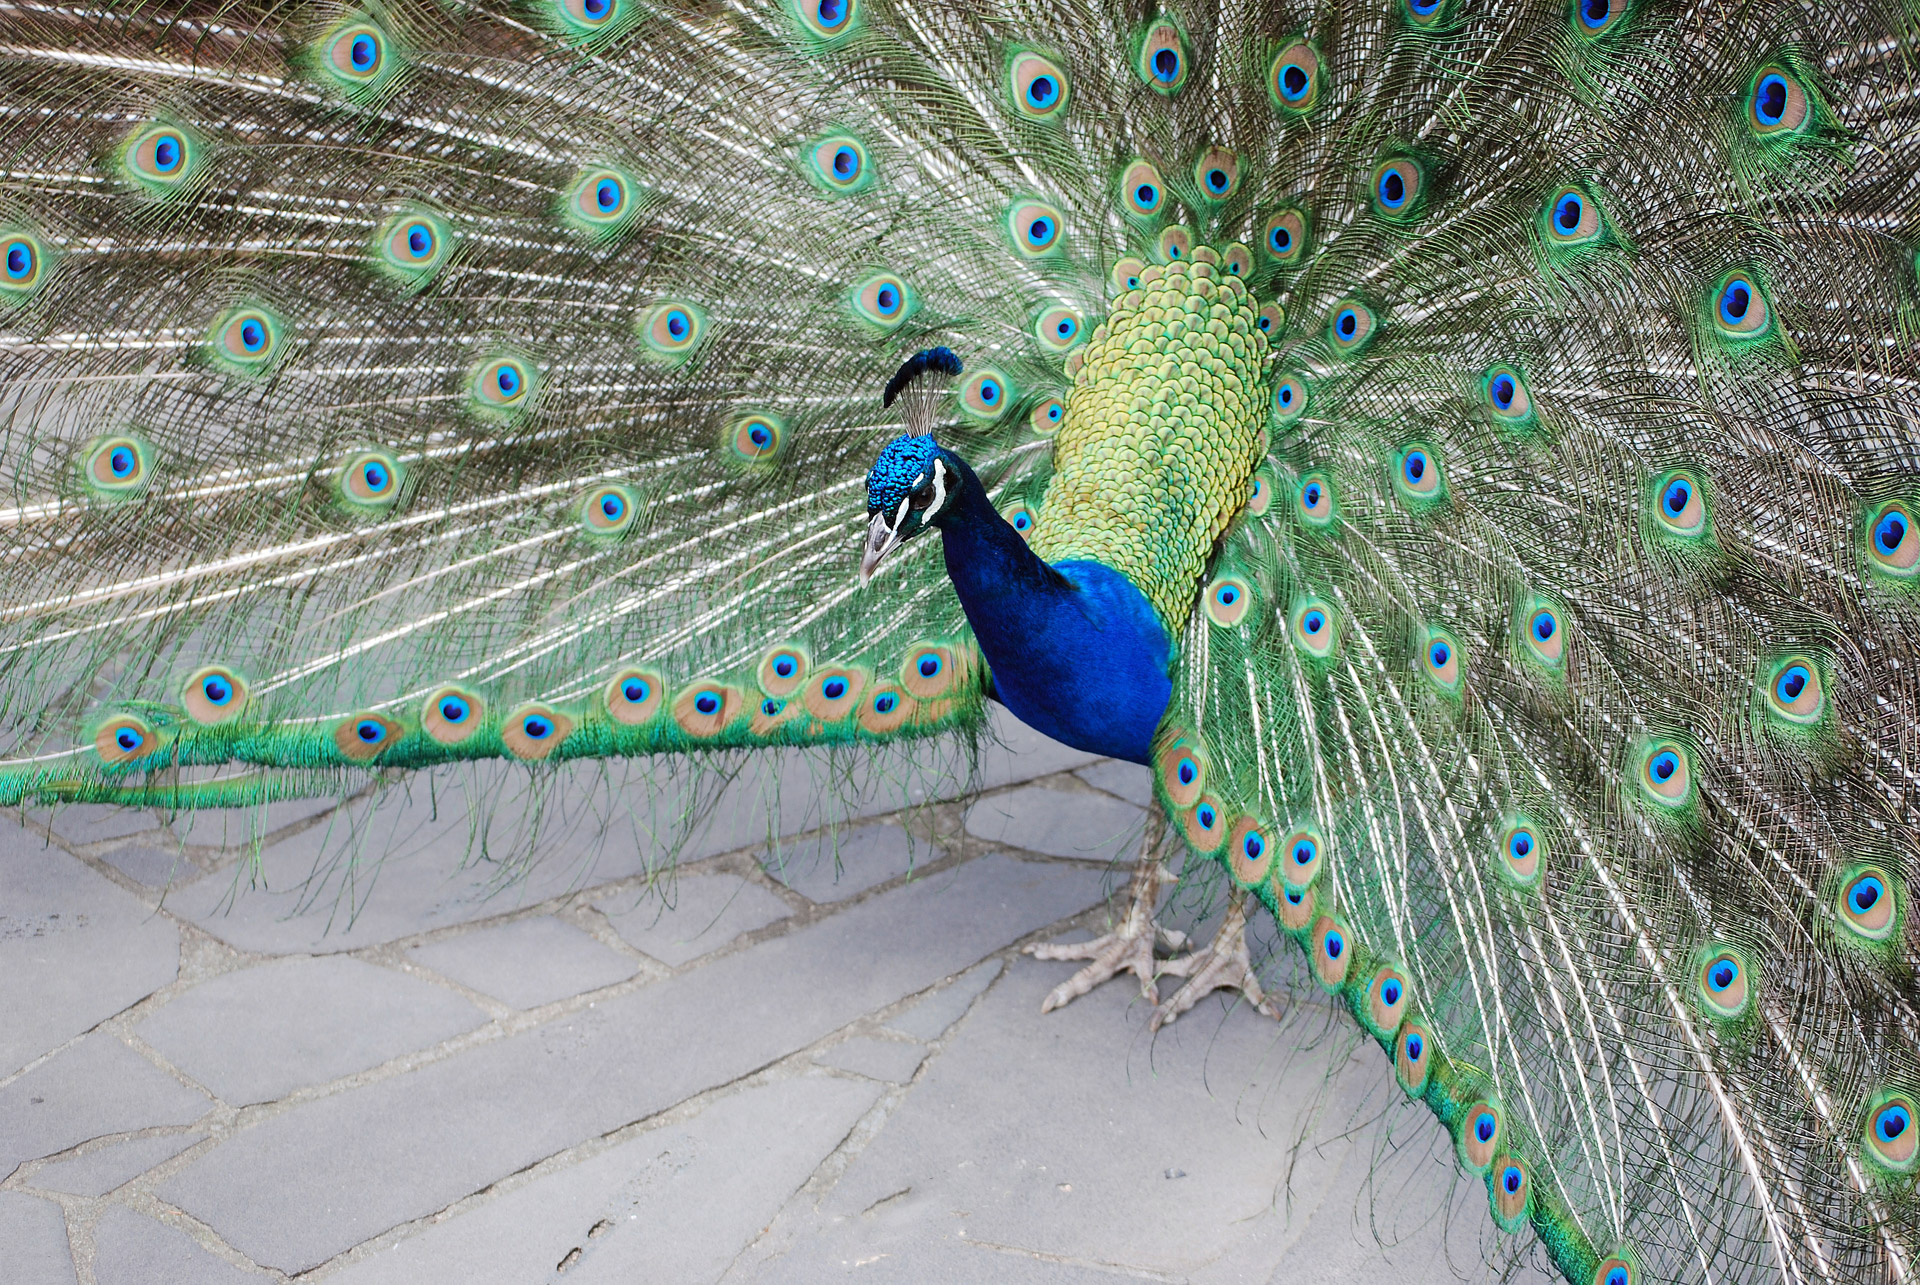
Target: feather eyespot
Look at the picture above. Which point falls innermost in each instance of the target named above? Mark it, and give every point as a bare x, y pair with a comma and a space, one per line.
1868, 903
1289, 399
1332, 952
1721, 983
1350, 326
1666, 773
23, 264
1293, 78
783, 671
1296, 908
1261, 496
838, 164
1037, 85
1680, 503
930, 671
1045, 419
755, 438
1141, 191
1182, 767
124, 738
1249, 855
1506, 394
1520, 852
1893, 1132
1572, 217
1316, 500
117, 468
1425, 13
834, 693
884, 301
1893, 539
609, 510
986, 393
1303, 852
1059, 328
1035, 228
1228, 600
246, 341
1597, 17
413, 245
1740, 306
452, 715
163, 159
1396, 187
672, 329
1021, 519
214, 695
1543, 634
1777, 103
885, 711
1481, 1134
703, 710
825, 21
601, 202
502, 386
1413, 1057
1126, 274
1315, 628
1388, 995
361, 738
1270, 320
1205, 825
1284, 236
371, 480
533, 732
1617, 1270
1162, 61
1237, 260
1510, 1187
1795, 692
1175, 244
1417, 473
1440, 660
635, 696
1217, 174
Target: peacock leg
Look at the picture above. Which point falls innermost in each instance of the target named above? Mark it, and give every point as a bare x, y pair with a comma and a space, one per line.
1223, 965
1129, 947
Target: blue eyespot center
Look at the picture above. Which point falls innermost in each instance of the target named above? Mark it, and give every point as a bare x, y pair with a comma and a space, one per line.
1280, 240
606, 194
770, 707
1313, 622
1890, 531
216, 689
369, 731
1188, 771
364, 52
707, 703
1415, 1047
1336, 945
886, 299
1520, 845
832, 13
1618, 1276
1393, 189
1770, 99
419, 241
166, 153
635, 690
611, 507
1502, 390
1348, 323
928, 665
1866, 894
507, 380
1722, 974
1512, 1178
1415, 467
1567, 212
253, 335
1484, 1126
375, 476
1055, 412
1390, 993
1595, 13
19, 260
678, 324
884, 703
846, 163
596, 9
1205, 815
1304, 852
536, 727
1544, 625
1254, 845
1664, 765
1042, 91
834, 688
1293, 83
1228, 595
1040, 230
454, 710
1793, 682
1166, 65
1311, 495
128, 739
1893, 1122
1217, 180
121, 461
1022, 520
784, 666
1676, 498
1439, 654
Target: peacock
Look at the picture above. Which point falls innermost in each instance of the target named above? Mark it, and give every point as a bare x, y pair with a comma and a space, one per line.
1469, 450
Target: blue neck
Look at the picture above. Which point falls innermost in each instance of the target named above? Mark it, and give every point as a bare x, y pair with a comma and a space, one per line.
1077, 651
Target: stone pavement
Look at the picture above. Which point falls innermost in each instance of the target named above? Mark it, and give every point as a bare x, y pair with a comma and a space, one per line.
369, 1043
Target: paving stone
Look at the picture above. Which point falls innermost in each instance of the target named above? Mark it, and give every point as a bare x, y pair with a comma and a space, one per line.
930, 1018
834, 867
1131, 781
112, 1166
242, 827
83, 823
893, 1060
74, 949
528, 962
916, 1248
675, 1204
414, 859
154, 867
259, 1033
33, 1237
684, 918
1061, 824
132, 1249
305, 1184
97, 1087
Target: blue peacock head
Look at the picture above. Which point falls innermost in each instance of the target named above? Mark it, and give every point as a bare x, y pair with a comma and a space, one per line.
906, 491
914, 477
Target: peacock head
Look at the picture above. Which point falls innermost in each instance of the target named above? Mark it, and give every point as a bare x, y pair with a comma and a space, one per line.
907, 492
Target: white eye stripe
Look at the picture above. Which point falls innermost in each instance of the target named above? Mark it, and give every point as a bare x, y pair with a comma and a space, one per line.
939, 491
900, 514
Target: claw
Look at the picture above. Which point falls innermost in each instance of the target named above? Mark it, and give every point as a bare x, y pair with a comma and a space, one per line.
1129, 948
1223, 965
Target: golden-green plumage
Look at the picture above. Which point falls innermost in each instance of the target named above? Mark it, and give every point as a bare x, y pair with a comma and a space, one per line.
1164, 426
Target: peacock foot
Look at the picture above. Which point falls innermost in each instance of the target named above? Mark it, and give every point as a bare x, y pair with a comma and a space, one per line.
1129, 948
1223, 965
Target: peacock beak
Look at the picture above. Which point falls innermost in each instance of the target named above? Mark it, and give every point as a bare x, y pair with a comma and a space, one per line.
883, 537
